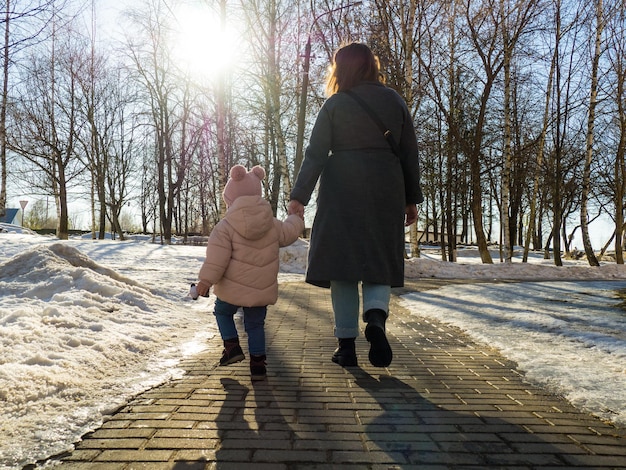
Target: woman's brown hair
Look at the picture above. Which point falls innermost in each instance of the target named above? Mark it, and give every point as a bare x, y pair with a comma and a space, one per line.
352, 64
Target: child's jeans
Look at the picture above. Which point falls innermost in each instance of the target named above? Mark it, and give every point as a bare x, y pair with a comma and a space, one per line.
253, 321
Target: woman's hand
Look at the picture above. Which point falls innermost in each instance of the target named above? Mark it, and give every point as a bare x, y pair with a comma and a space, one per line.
410, 214
295, 207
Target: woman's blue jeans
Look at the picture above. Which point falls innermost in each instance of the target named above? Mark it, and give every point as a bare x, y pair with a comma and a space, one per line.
253, 321
345, 299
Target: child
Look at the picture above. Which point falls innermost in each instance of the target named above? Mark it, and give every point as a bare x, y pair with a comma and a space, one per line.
242, 265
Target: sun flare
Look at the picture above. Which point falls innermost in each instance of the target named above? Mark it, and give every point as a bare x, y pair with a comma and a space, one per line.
204, 46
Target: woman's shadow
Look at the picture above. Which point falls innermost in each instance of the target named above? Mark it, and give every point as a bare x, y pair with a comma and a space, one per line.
413, 430
399, 429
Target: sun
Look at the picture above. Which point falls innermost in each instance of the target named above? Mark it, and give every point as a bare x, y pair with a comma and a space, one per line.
204, 46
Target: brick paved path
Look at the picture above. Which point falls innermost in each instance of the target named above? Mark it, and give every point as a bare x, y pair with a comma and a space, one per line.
444, 403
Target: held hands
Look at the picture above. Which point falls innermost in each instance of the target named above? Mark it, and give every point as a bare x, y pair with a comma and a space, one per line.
295, 207
200, 290
411, 214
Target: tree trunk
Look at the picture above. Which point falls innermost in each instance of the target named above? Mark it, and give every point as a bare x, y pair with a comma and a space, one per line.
555, 235
3, 113
620, 185
61, 198
507, 242
540, 149
477, 210
161, 162
450, 219
620, 156
220, 111
591, 257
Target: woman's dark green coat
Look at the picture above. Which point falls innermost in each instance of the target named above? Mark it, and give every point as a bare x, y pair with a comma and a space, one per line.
358, 231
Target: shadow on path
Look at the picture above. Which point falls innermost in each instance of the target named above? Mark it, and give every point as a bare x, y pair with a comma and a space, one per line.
413, 430
250, 432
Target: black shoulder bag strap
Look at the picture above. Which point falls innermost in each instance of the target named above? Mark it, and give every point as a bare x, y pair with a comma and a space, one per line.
386, 132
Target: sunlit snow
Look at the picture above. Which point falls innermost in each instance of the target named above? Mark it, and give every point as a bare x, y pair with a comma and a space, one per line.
85, 325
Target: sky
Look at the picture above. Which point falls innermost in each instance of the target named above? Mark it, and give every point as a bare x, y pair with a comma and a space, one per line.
73, 312
193, 18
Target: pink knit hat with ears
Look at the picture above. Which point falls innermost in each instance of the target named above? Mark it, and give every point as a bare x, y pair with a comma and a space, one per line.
243, 183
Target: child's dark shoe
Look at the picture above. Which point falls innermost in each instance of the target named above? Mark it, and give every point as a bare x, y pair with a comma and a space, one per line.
232, 352
258, 371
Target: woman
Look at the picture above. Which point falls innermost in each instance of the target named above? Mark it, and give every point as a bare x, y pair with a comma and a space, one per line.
367, 194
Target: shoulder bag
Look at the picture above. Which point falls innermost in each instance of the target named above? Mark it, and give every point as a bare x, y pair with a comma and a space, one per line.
386, 132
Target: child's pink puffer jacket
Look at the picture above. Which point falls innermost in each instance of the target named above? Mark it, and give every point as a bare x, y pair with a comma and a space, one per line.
242, 255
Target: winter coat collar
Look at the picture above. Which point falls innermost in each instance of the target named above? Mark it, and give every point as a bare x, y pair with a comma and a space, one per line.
250, 216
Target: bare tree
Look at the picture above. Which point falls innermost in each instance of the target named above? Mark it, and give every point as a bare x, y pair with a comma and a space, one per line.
564, 161
268, 22
46, 121
109, 142
148, 199
397, 29
615, 139
515, 19
534, 213
593, 101
163, 96
482, 33
23, 24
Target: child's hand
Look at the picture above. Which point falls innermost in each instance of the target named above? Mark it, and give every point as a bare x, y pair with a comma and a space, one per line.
200, 290
295, 207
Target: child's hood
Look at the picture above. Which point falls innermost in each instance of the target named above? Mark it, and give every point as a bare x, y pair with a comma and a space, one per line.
251, 217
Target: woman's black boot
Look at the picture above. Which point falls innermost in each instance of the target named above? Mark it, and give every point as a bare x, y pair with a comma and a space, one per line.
345, 354
380, 352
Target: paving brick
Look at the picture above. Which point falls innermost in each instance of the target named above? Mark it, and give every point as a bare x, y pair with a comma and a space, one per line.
291, 456
181, 443
164, 423
444, 403
98, 466
127, 433
328, 444
186, 457
177, 433
122, 443
250, 466
595, 461
82, 455
235, 442
139, 455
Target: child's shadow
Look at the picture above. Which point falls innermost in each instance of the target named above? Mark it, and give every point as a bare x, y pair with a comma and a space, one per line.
244, 433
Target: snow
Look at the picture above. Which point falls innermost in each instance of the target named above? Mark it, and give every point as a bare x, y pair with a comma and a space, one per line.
85, 325
569, 337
